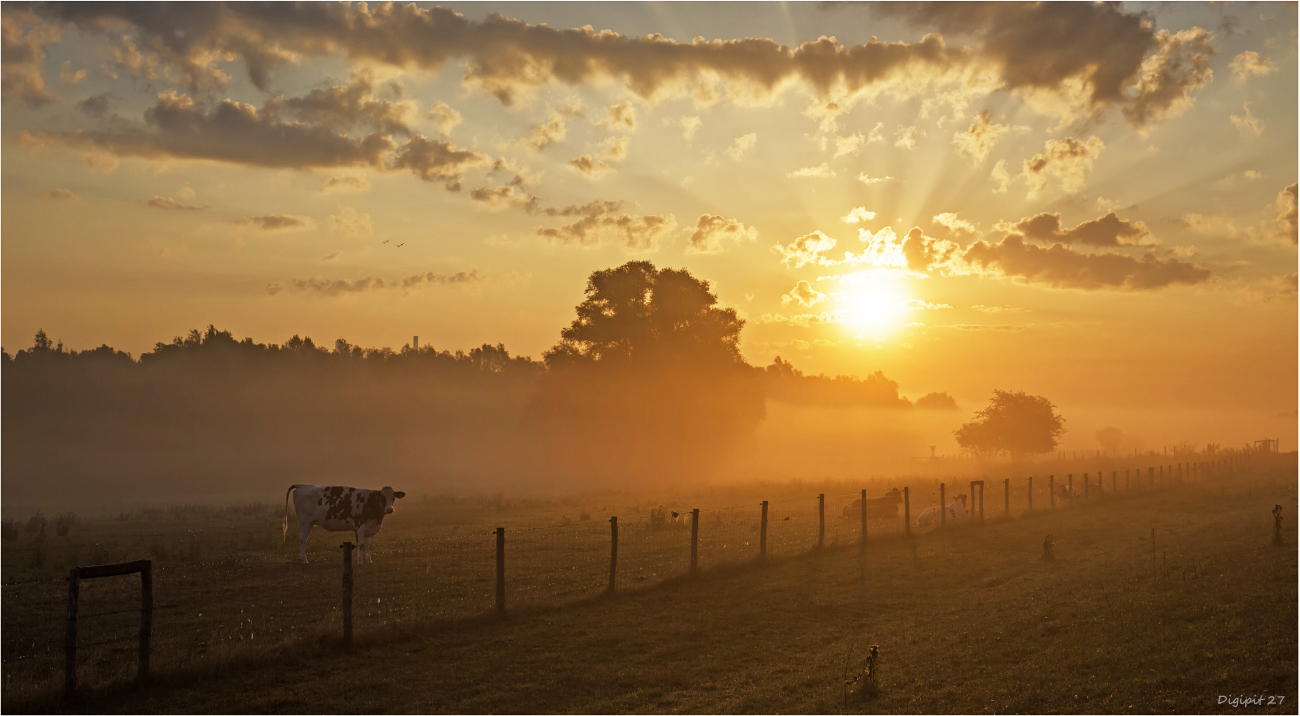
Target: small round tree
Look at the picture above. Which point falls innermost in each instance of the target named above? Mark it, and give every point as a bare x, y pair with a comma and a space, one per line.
1013, 424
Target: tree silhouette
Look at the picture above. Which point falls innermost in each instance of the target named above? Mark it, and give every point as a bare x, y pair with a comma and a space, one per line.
1015, 424
1110, 438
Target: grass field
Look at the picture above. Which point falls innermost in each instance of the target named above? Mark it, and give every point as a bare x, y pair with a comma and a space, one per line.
967, 620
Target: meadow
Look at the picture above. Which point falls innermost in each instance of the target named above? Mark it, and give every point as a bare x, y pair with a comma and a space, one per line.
1158, 601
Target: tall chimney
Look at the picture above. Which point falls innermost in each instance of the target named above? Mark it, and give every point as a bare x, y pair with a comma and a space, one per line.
415, 343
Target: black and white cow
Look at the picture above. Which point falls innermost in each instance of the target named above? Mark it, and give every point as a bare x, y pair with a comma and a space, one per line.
339, 509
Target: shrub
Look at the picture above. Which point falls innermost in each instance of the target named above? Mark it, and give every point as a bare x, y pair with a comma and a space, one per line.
9, 529
64, 522
36, 524
659, 518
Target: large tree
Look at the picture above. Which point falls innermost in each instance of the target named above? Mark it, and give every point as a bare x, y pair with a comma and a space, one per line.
1014, 424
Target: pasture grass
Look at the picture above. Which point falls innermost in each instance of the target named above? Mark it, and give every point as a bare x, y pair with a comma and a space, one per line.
967, 620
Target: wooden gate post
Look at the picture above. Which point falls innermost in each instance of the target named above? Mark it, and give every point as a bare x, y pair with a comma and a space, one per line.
70, 638
907, 512
695, 540
943, 506
146, 618
762, 533
347, 594
863, 541
821, 520
1051, 492
501, 572
1006, 497
613, 552
1031, 493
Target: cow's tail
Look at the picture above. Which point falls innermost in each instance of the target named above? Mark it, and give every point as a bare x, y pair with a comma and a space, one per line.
286, 510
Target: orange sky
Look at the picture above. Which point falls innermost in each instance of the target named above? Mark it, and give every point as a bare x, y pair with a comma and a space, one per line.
1092, 203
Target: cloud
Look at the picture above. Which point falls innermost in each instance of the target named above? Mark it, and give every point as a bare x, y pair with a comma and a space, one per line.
176, 127
1080, 57
585, 164
1000, 177
978, 141
1109, 230
601, 221
803, 320
806, 249
1062, 267
276, 222
914, 253
351, 223
870, 180
820, 171
544, 135
998, 309
976, 327
858, 215
332, 288
70, 78
1247, 122
1286, 212
348, 182
1067, 160
350, 107
712, 234
436, 160
444, 118
162, 202
1250, 64
95, 106
619, 115
688, 125
742, 144
850, 145
905, 137
957, 226
441, 279
803, 294
917, 304
22, 57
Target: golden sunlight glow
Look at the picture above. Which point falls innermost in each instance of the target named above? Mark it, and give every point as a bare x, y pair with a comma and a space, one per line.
873, 303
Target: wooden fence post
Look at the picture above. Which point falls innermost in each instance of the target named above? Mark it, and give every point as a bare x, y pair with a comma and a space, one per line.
1051, 492
347, 594
146, 619
613, 552
1151, 477
501, 572
943, 507
821, 520
1006, 496
695, 540
863, 541
70, 638
762, 533
1087, 485
907, 512
1114, 482
1069, 486
1031, 493
981, 500
1126, 481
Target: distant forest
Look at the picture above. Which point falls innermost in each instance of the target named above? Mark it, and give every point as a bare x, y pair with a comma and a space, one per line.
646, 385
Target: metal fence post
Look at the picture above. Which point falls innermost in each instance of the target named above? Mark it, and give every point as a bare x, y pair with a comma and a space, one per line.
762, 533
821, 520
613, 552
146, 618
501, 572
347, 594
70, 638
695, 540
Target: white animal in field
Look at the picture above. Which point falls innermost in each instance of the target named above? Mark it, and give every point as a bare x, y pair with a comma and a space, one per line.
340, 509
931, 517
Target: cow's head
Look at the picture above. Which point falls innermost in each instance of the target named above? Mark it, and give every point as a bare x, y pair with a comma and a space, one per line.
390, 499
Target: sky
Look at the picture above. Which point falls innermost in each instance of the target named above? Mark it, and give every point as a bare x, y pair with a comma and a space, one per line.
1095, 203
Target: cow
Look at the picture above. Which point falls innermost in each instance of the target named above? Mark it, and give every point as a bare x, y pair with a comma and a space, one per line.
681, 518
886, 506
1065, 495
339, 509
930, 517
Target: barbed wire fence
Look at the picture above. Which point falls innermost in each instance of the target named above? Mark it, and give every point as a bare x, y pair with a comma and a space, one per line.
218, 609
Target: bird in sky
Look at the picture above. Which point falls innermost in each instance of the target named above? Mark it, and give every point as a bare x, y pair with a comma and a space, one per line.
386, 241
401, 244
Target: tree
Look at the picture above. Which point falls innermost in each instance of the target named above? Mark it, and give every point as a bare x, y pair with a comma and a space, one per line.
1014, 424
1110, 438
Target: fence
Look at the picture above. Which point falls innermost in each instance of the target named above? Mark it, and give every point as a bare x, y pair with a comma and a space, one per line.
224, 609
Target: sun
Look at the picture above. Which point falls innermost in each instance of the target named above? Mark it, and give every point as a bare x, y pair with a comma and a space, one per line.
875, 305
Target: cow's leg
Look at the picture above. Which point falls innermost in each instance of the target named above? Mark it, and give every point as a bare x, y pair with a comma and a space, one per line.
361, 545
303, 531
